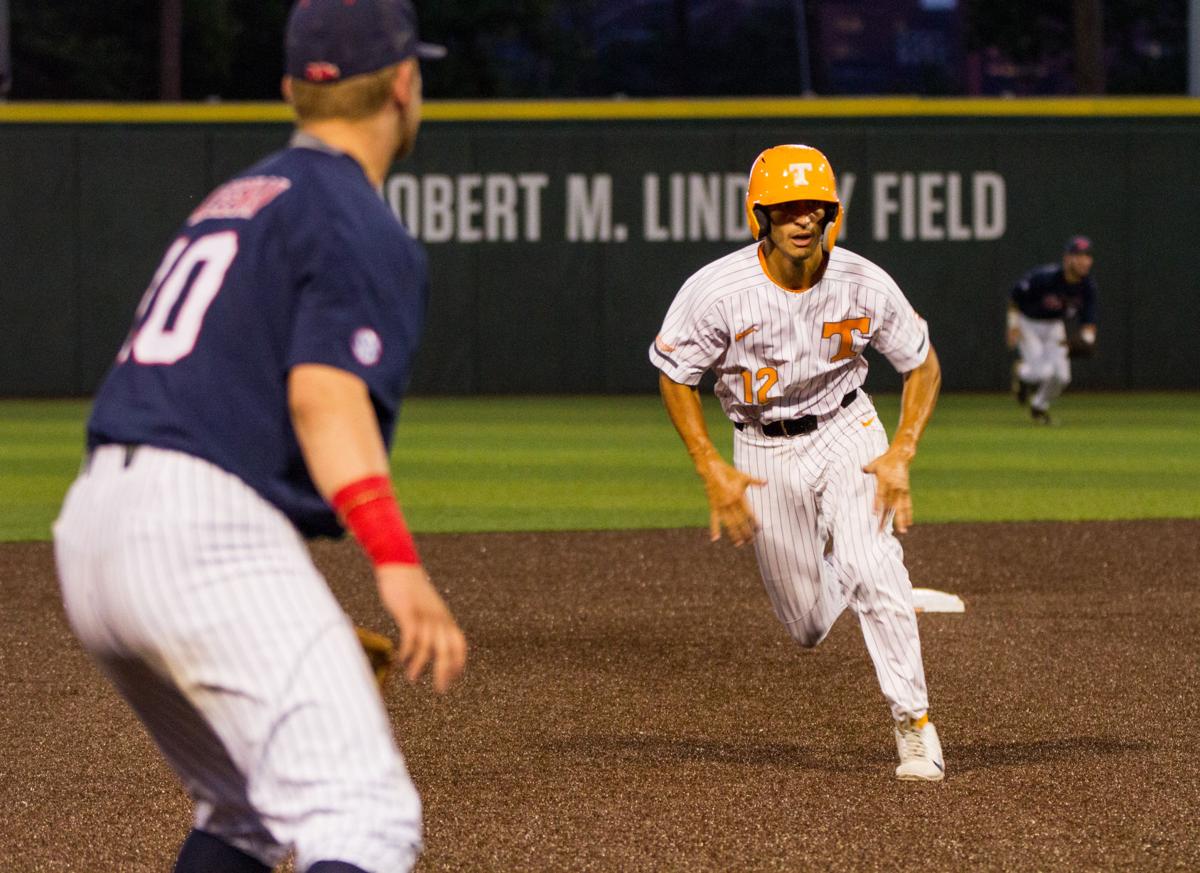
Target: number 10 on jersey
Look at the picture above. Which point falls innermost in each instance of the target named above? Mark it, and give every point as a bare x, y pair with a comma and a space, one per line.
192, 271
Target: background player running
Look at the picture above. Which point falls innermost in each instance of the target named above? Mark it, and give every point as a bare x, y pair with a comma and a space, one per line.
1040, 305
256, 394
783, 324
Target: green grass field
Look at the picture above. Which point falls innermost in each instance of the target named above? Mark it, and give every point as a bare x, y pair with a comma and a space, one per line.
570, 463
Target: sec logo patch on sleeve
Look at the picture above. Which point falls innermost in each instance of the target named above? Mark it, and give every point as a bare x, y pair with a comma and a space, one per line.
366, 346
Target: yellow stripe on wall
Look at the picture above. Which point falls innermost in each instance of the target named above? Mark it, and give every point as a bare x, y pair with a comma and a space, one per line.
141, 113
588, 110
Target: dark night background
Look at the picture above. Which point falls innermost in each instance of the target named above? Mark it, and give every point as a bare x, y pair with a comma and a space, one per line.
231, 49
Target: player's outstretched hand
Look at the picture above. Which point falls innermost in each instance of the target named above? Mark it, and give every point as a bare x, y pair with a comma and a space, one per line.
429, 635
891, 489
726, 487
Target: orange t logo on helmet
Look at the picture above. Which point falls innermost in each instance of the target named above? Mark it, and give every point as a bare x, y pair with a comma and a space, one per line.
792, 172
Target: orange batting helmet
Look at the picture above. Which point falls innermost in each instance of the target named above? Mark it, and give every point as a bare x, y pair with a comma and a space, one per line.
792, 172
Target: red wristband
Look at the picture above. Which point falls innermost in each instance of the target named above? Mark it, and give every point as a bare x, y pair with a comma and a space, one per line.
369, 509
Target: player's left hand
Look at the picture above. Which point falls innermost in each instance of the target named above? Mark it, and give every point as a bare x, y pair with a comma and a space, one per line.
429, 635
891, 489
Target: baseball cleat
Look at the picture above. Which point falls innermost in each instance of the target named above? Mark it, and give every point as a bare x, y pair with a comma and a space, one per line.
1039, 416
920, 752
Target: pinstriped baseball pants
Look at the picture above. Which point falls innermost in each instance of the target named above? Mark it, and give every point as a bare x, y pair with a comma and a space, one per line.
1044, 358
820, 548
200, 603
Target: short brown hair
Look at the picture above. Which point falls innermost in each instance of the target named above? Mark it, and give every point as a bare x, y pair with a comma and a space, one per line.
355, 98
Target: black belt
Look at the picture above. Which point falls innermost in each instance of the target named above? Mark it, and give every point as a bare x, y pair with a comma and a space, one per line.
795, 426
130, 451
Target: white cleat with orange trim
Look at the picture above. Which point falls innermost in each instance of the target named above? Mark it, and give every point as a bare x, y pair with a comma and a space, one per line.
920, 751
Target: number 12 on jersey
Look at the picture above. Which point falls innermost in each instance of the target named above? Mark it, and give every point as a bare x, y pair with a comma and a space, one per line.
191, 270
766, 379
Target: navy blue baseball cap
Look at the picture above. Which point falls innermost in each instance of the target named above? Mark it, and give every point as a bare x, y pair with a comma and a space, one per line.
332, 40
1078, 245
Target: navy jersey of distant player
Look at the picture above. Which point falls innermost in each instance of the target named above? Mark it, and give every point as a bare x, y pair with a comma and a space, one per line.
297, 260
1044, 293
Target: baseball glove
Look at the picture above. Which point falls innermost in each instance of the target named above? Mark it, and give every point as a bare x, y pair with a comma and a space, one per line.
379, 651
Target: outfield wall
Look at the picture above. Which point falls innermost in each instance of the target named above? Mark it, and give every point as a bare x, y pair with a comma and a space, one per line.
558, 233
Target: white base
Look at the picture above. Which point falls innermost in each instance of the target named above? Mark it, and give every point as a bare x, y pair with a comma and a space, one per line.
929, 600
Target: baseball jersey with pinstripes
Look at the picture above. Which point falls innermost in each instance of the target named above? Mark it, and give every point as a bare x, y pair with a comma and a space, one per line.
781, 354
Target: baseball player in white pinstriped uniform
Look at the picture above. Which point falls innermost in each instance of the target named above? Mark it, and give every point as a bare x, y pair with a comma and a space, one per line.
252, 406
815, 485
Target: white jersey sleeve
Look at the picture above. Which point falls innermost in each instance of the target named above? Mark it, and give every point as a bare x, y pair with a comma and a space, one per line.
688, 345
695, 332
902, 336
781, 354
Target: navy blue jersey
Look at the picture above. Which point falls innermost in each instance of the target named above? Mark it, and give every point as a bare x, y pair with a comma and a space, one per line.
1044, 293
297, 260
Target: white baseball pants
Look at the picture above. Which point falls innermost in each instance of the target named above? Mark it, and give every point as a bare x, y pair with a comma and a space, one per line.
820, 547
199, 601
1044, 358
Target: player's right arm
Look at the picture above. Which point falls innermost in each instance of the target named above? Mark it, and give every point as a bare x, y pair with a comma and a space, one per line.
335, 424
724, 484
1012, 322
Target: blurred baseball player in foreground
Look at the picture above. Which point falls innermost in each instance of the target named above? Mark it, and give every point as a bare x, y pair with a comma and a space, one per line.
251, 406
815, 485
1040, 307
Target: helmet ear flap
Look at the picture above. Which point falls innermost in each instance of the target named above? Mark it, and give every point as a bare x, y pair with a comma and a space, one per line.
832, 225
763, 216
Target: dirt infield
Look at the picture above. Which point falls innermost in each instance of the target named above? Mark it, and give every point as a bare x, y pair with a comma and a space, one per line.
631, 704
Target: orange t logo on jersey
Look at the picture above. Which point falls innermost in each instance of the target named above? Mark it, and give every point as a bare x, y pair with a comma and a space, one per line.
845, 330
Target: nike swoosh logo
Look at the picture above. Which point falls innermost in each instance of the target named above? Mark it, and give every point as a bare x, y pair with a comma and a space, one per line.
869, 421
745, 333
662, 346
